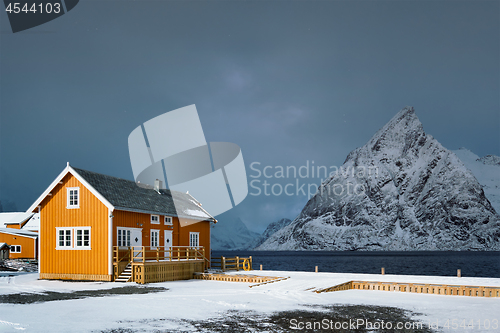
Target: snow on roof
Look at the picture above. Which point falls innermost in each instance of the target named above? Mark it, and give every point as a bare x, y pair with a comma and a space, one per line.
19, 232
197, 213
13, 218
33, 223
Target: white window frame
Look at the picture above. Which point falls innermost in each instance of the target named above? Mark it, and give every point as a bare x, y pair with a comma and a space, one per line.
152, 239
194, 239
68, 195
73, 238
14, 248
123, 232
64, 246
169, 220
155, 217
75, 233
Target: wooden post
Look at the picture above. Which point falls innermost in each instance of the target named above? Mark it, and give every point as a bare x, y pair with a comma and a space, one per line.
157, 254
251, 264
130, 254
170, 254
205, 266
316, 269
143, 254
260, 266
223, 263
179, 253
237, 263
383, 271
459, 273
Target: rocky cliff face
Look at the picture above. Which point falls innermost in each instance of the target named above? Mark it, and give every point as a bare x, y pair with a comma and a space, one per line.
401, 191
490, 160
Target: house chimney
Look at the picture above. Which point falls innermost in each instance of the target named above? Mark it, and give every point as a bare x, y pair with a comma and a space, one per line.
158, 185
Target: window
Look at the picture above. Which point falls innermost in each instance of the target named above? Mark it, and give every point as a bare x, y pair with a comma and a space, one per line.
155, 219
82, 238
64, 240
123, 237
15, 248
194, 239
155, 235
75, 238
168, 220
73, 197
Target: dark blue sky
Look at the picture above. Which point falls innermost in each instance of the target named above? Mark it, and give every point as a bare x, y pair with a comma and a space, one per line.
289, 82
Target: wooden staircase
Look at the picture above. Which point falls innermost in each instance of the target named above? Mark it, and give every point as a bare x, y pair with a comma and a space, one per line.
126, 275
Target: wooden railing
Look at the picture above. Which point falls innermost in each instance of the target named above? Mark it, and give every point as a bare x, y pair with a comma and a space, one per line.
235, 264
158, 253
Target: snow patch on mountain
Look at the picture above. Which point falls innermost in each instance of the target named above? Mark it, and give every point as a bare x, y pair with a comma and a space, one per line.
487, 172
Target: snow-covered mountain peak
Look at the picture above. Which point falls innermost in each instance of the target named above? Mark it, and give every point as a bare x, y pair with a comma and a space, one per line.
416, 195
404, 126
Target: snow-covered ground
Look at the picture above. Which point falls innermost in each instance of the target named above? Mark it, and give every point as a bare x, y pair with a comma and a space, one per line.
200, 300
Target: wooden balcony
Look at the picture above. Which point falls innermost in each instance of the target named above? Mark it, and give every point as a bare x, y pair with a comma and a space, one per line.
158, 264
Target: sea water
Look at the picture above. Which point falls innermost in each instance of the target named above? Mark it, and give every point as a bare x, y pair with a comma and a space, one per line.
473, 264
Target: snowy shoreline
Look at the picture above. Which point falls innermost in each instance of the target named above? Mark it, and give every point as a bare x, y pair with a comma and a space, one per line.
188, 302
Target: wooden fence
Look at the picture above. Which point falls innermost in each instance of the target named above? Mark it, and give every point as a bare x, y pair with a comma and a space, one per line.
232, 264
149, 272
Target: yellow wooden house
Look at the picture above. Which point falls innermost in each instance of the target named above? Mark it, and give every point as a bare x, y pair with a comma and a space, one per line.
99, 227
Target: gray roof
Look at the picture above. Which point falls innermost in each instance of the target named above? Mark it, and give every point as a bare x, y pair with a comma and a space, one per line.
125, 194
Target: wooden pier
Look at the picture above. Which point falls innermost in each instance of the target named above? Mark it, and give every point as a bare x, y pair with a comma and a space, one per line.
235, 277
416, 288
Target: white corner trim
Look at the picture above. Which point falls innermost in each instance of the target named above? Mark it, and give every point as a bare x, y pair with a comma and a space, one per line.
39, 256
110, 241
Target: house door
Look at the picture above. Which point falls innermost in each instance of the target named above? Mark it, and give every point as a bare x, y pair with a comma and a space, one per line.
136, 242
168, 242
135, 237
